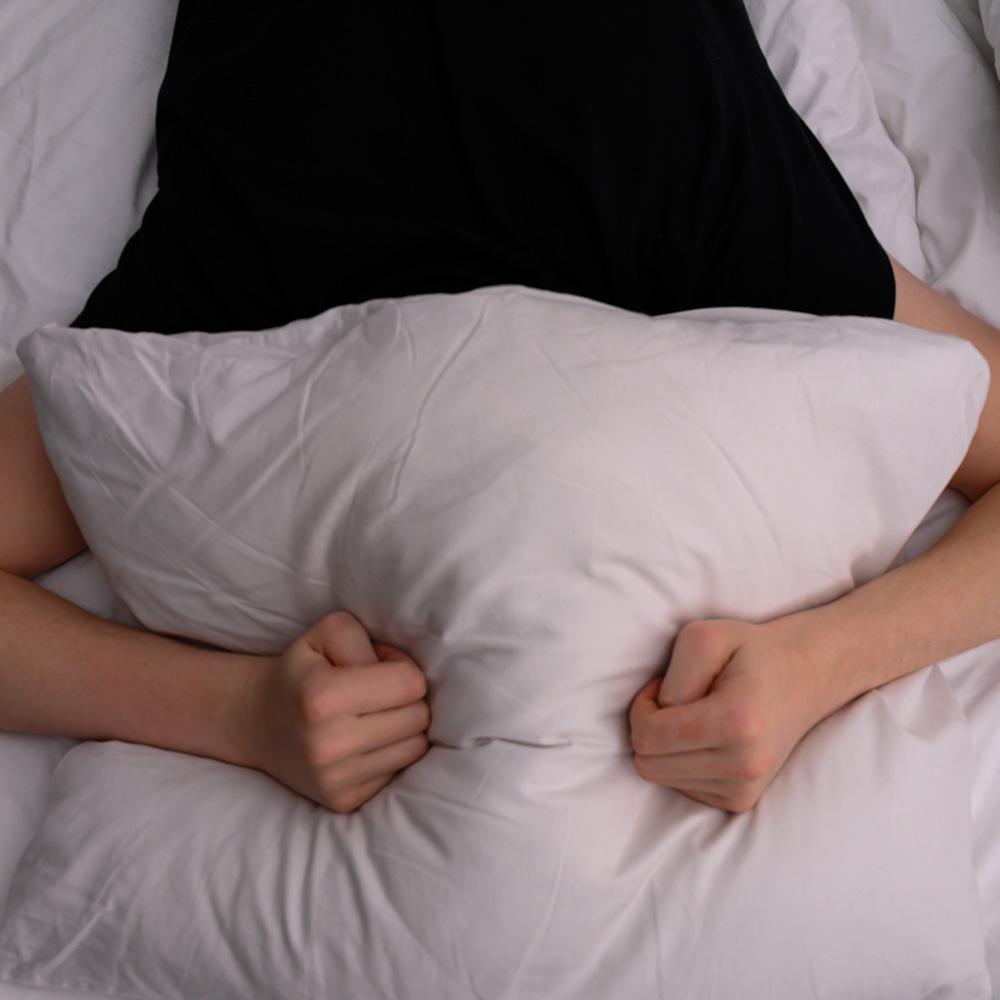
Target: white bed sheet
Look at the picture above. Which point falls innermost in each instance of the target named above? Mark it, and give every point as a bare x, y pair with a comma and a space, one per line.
974, 677
924, 65
931, 73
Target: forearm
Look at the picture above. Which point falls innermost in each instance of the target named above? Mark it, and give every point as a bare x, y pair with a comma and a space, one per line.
945, 601
938, 605
66, 672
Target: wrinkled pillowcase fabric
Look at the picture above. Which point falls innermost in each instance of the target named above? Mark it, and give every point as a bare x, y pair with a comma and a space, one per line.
529, 492
990, 11
507, 870
813, 50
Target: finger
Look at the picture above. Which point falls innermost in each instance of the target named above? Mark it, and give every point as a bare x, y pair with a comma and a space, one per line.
650, 689
700, 653
349, 799
377, 763
714, 786
677, 729
376, 687
732, 796
390, 654
369, 789
707, 798
644, 703
698, 766
377, 729
342, 639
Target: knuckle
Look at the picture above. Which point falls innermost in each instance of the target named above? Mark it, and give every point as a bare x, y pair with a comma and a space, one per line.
699, 636
744, 726
741, 804
697, 630
691, 731
318, 704
752, 767
320, 698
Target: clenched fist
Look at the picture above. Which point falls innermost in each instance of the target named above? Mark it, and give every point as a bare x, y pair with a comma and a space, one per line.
736, 700
335, 717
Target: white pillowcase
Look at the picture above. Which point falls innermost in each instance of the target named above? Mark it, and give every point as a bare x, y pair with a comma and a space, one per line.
512, 871
78, 86
938, 96
813, 52
529, 492
990, 12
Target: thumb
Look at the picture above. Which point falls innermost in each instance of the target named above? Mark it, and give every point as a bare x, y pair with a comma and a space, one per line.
701, 651
341, 639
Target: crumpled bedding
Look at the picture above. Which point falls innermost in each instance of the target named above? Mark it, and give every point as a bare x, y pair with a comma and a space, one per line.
904, 99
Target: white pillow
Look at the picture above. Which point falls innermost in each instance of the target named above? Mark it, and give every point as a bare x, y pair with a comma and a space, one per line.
512, 871
78, 87
814, 54
501, 481
938, 96
990, 12
529, 492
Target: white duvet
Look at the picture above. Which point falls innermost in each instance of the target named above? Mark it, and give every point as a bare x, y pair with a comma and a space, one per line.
904, 96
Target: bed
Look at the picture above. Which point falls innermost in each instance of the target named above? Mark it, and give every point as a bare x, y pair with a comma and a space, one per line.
871, 869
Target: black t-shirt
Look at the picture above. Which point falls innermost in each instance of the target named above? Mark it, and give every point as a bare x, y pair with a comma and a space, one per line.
313, 153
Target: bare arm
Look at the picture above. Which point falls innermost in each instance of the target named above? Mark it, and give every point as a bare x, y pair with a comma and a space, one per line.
37, 530
947, 600
918, 305
738, 697
336, 736
66, 672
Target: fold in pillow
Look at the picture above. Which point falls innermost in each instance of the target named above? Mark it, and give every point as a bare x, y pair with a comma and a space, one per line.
990, 13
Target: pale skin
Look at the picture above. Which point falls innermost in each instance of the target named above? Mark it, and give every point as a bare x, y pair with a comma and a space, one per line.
334, 718
737, 698
337, 716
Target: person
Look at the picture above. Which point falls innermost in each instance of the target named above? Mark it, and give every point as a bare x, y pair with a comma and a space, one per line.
644, 156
